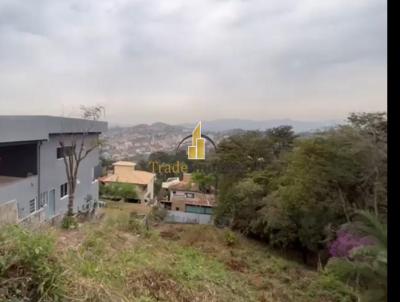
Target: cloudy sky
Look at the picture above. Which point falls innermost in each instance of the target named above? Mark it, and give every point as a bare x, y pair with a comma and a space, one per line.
187, 60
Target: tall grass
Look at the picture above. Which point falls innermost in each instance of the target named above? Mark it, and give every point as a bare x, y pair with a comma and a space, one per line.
29, 269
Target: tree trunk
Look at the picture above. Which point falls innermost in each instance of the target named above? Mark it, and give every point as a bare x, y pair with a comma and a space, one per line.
343, 200
70, 204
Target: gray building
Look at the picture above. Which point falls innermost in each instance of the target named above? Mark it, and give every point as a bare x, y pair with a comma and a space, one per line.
33, 181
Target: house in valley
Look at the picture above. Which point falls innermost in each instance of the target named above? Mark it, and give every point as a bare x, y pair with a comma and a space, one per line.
125, 172
33, 181
185, 196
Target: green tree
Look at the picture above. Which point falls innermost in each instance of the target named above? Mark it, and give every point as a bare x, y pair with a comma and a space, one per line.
281, 139
206, 182
119, 191
240, 204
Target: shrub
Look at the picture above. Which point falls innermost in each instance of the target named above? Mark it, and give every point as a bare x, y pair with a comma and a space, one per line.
327, 285
157, 214
29, 270
134, 224
69, 222
230, 238
346, 241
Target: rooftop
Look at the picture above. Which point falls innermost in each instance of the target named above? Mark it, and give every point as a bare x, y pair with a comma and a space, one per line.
124, 163
185, 186
207, 200
135, 177
18, 128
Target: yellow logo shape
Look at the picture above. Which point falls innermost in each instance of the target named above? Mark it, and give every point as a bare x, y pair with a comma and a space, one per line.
198, 148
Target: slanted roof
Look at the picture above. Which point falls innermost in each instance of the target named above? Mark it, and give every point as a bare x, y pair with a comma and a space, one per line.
135, 177
19, 128
205, 200
185, 186
124, 163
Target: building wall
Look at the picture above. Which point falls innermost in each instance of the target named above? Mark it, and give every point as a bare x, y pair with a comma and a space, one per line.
141, 191
178, 200
150, 189
8, 212
181, 195
53, 174
22, 191
123, 171
178, 205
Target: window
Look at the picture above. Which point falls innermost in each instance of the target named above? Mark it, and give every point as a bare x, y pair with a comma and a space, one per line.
96, 172
64, 151
198, 209
63, 190
32, 204
177, 208
189, 195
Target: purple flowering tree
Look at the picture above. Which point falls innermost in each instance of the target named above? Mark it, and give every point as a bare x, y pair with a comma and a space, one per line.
346, 241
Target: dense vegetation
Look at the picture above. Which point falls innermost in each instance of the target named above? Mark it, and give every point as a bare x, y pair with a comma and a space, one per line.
305, 193
299, 193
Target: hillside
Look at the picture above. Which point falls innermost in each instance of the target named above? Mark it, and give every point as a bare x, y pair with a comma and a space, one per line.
229, 124
116, 259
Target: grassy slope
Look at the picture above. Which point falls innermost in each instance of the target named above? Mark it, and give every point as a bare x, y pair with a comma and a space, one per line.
117, 260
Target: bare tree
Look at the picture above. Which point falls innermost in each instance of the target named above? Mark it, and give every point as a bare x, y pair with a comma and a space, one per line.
76, 148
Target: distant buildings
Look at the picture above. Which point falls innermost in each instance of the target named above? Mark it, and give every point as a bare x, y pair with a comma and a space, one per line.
134, 143
185, 196
124, 172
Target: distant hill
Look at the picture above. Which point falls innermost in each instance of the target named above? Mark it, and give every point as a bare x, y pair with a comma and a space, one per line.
141, 140
229, 124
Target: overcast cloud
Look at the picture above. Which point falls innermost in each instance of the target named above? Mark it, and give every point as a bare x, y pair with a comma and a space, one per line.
187, 60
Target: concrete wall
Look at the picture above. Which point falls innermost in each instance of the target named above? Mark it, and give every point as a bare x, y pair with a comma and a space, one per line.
181, 195
123, 171
22, 191
150, 189
146, 192
53, 174
182, 217
34, 219
8, 213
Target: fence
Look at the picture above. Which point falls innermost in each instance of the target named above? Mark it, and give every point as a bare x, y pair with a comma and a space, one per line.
190, 218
